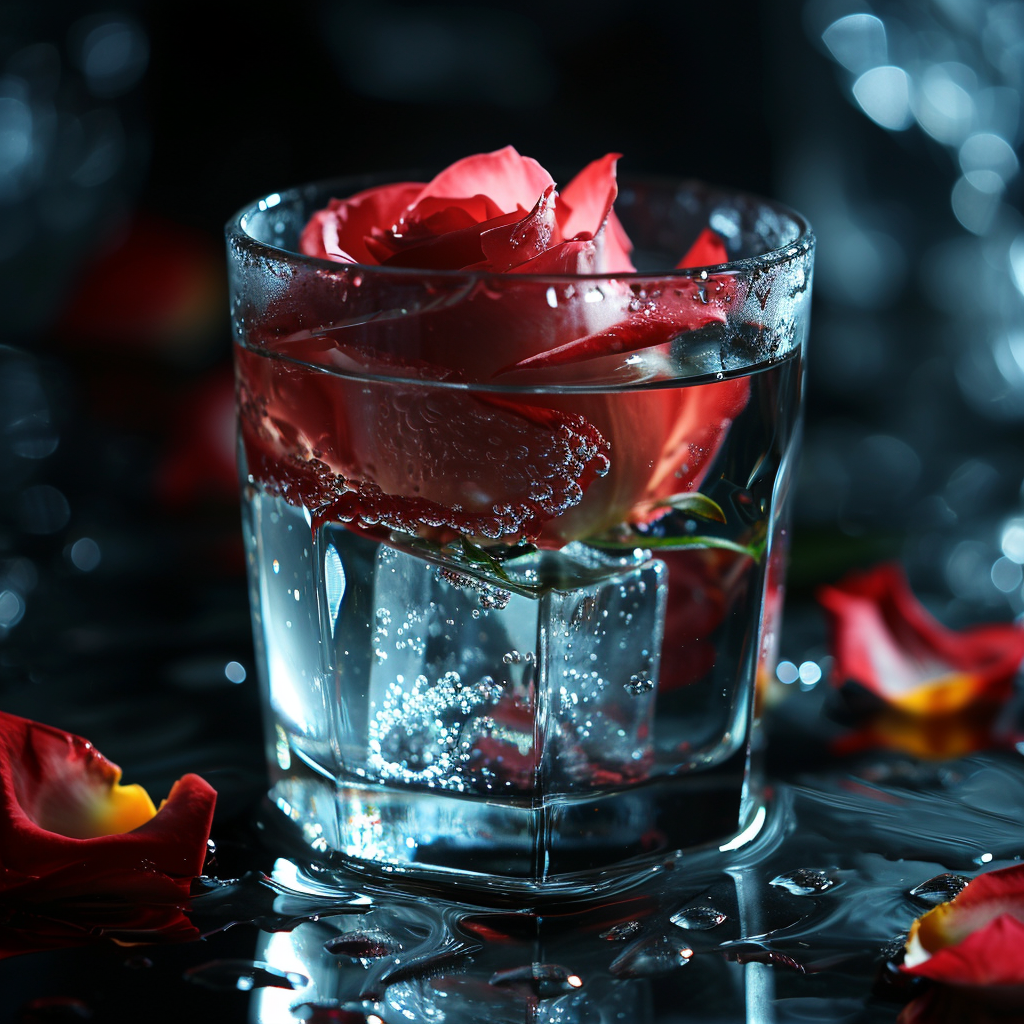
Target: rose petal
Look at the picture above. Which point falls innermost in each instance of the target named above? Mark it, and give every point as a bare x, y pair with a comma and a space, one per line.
884, 641
506, 246
452, 250
708, 251
52, 780
679, 306
339, 233
512, 182
585, 211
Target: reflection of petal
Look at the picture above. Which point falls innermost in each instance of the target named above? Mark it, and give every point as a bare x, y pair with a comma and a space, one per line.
938, 737
884, 641
976, 938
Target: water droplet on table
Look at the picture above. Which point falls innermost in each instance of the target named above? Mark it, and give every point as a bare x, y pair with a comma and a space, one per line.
804, 881
940, 889
698, 919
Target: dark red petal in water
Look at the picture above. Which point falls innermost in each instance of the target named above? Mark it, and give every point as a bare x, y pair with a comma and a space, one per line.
652, 317
703, 587
416, 458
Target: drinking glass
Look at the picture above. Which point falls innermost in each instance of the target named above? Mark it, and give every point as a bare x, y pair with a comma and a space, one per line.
510, 611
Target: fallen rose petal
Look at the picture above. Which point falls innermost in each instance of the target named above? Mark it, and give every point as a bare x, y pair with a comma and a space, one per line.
975, 939
885, 642
69, 829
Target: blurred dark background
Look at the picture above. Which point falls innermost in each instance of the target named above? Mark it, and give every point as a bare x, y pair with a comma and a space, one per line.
129, 132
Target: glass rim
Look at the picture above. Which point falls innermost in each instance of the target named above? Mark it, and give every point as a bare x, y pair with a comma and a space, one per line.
236, 231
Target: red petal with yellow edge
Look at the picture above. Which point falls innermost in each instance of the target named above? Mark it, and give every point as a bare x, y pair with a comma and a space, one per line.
976, 938
885, 641
67, 827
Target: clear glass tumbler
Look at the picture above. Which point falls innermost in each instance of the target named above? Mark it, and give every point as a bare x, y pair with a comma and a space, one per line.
509, 605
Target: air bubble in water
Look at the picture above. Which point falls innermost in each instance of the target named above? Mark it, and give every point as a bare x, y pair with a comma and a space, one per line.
638, 684
648, 959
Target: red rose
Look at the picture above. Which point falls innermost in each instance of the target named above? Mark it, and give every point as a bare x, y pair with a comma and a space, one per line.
81, 855
547, 468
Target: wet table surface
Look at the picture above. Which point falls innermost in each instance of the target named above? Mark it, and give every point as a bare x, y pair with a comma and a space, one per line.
140, 641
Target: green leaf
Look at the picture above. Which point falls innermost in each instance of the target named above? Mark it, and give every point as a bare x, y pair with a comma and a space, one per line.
754, 551
695, 504
478, 557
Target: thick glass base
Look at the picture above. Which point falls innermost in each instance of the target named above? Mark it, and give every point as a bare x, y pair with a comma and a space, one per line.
559, 846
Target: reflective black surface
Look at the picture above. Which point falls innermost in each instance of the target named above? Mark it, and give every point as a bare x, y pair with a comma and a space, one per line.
127, 622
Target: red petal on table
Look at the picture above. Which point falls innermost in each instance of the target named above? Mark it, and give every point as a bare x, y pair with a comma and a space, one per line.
976, 938
509, 180
707, 251
58, 798
884, 641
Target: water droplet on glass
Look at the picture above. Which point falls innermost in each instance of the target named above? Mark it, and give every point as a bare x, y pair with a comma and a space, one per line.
804, 881
940, 889
698, 919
